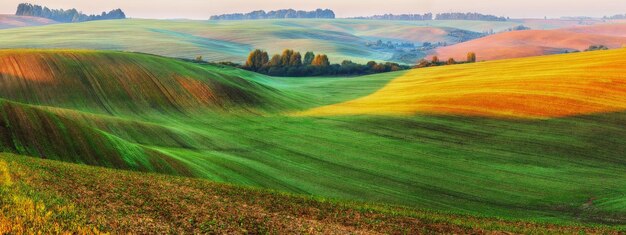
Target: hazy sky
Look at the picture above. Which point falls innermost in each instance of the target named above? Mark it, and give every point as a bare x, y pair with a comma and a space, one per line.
202, 9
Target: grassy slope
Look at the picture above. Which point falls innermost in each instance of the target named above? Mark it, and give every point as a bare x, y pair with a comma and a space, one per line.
53, 197
121, 83
232, 40
539, 87
538, 170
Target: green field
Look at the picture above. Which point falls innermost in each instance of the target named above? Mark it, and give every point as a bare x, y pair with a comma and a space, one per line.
42, 196
154, 114
233, 40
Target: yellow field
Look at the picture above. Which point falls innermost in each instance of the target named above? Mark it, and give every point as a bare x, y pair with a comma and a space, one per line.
539, 87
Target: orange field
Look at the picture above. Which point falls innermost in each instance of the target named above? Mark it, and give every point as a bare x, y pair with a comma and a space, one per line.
602, 29
539, 87
536, 42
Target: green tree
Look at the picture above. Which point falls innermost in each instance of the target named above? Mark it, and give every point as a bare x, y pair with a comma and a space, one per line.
597, 48
308, 58
379, 68
423, 64
285, 58
296, 59
321, 61
264, 59
256, 59
435, 60
275, 61
251, 59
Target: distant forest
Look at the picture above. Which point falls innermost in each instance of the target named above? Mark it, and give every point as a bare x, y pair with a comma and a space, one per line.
615, 17
441, 16
427, 16
279, 14
469, 16
67, 16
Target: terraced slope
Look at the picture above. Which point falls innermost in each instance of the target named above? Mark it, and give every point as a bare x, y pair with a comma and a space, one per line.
539, 87
565, 170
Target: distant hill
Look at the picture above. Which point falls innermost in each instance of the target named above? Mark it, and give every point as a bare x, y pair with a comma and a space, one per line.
536, 42
13, 21
469, 16
279, 14
615, 17
440, 16
427, 16
232, 40
67, 16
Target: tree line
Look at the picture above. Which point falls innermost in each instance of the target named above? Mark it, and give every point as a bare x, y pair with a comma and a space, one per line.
615, 17
469, 16
471, 58
67, 16
292, 63
411, 17
279, 14
440, 16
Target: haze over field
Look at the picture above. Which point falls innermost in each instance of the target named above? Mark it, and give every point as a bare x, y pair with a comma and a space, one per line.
198, 9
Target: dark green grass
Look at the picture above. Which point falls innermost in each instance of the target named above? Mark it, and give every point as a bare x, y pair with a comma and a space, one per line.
568, 170
544, 170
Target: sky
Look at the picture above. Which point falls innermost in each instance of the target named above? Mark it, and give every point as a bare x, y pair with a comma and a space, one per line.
203, 9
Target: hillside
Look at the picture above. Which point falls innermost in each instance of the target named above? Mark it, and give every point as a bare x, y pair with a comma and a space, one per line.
12, 21
547, 24
538, 87
52, 197
233, 40
71, 105
415, 161
529, 43
615, 29
122, 83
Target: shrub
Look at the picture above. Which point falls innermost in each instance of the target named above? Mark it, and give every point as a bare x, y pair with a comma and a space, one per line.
471, 57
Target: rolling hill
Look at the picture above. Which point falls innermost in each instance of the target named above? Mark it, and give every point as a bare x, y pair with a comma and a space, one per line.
538, 87
341, 39
133, 116
529, 43
615, 29
233, 40
116, 83
12, 21
547, 24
